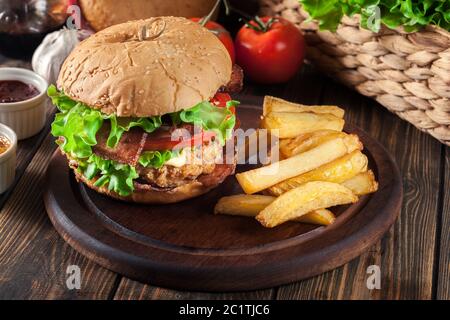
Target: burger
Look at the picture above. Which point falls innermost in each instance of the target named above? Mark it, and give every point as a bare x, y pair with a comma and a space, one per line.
145, 110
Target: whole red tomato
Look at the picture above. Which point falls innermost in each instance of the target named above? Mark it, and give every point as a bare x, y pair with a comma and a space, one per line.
223, 35
270, 50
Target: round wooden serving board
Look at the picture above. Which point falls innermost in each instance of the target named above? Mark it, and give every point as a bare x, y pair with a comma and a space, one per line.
186, 246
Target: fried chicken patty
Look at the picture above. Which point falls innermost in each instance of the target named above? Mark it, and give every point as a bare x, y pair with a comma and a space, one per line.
200, 161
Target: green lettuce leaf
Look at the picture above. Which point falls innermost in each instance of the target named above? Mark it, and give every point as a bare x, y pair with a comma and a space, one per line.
119, 177
120, 125
115, 176
210, 117
410, 14
78, 125
156, 159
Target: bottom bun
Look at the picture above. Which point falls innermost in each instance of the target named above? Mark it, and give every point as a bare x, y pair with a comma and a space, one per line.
144, 193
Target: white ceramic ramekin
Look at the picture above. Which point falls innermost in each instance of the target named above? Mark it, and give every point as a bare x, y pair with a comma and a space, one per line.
8, 159
27, 117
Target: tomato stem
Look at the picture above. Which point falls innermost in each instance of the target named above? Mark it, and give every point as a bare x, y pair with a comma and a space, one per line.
228, 9
261, 26
208, 17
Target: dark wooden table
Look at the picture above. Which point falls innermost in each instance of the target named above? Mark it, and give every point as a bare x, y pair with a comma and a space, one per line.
414, 256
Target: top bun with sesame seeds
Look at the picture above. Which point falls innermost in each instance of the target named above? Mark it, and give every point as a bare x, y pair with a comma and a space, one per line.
146, 68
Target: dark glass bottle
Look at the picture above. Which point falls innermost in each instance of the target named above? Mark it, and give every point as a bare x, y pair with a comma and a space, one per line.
24, 23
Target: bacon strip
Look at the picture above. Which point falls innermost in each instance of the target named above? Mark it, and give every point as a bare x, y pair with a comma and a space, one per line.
236, 82
127, 151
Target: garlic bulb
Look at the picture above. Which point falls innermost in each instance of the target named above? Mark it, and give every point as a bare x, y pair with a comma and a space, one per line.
54, 49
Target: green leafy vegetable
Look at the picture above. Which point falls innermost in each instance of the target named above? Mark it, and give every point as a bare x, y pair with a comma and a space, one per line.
119, 177
79, 124
156, 159
120, 125
115, 176
210, 117
411, 14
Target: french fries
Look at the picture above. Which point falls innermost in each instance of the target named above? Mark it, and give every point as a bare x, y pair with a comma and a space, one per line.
262, 178
250, 205
363, 183
337, 171
323, 217
307, 141
243, 205
272, 104
318, 166
292, 124
308, 197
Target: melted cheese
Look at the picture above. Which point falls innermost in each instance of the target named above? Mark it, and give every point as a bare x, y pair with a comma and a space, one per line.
179, 160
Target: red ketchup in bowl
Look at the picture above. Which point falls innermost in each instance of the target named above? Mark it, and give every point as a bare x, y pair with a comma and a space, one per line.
16, 91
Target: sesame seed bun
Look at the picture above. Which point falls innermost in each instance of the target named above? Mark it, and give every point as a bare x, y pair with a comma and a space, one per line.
146, 67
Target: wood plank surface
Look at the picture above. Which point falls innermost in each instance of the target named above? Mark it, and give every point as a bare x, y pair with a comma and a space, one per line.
133, 290
33, 257
443, 268
406, 253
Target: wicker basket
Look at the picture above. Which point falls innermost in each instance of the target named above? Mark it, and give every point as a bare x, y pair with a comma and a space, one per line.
408, 73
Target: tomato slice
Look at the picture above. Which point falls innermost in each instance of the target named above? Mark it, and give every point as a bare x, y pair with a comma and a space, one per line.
221, 99
165, 138
162, 139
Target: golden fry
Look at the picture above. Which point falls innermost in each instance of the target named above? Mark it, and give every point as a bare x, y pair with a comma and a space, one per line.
243, 204
292, 124
272, 104
337, 171
323, 217
250, 205
262, 178
304, 199
307, 141
363, 183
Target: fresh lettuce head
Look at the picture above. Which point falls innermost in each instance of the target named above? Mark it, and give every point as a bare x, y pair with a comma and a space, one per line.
77, 125
409, 14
